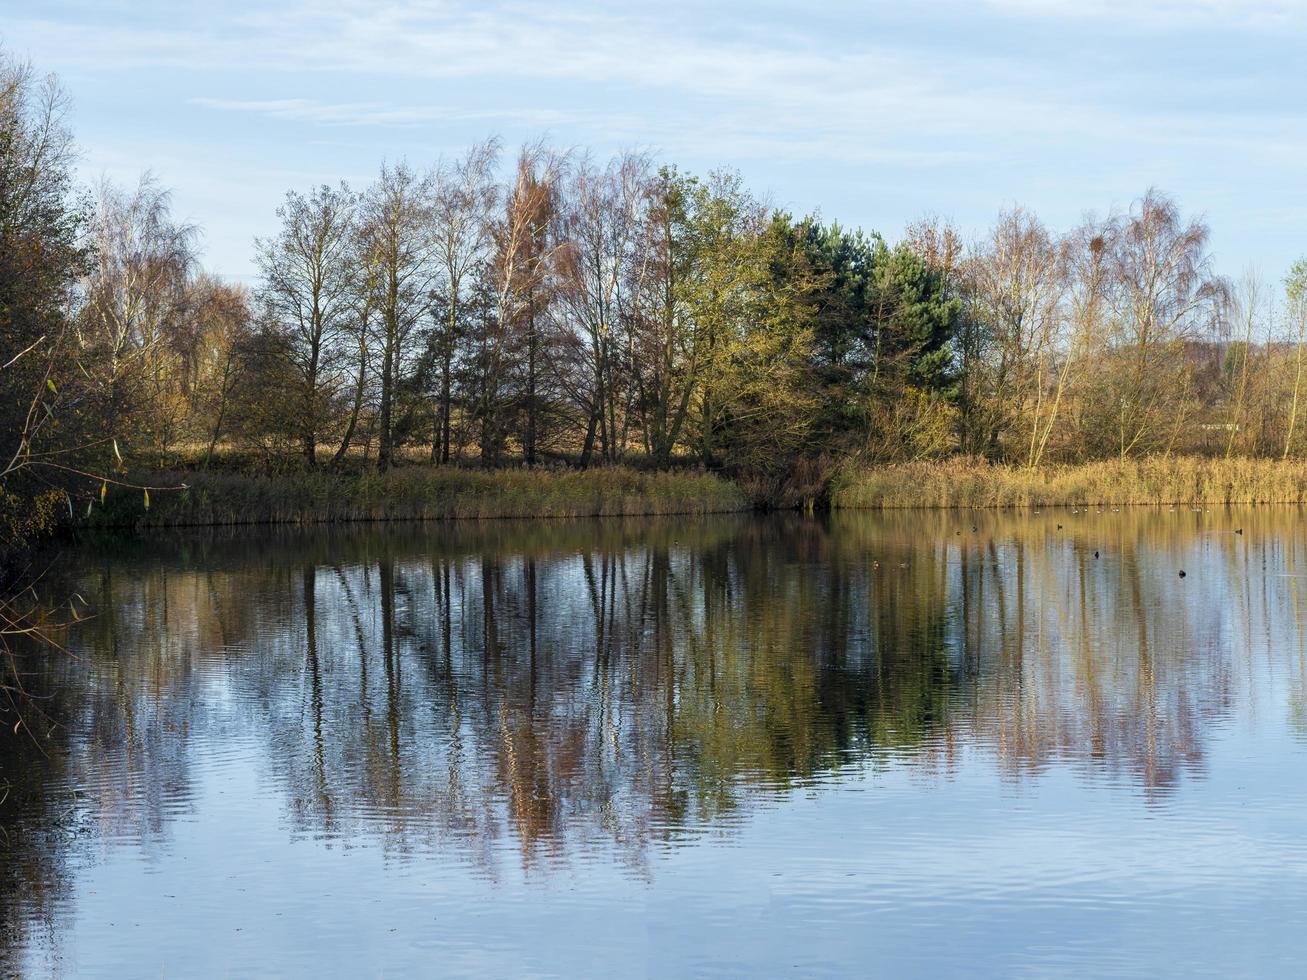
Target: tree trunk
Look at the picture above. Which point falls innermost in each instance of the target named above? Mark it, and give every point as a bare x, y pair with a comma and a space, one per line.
384, 448
446, 405
588, 447
529, 442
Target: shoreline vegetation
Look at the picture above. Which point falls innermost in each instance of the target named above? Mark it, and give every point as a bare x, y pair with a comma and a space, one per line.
1155, 480
435, 493
415, 493
545, 333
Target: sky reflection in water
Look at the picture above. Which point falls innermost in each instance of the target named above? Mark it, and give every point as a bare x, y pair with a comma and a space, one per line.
876, 744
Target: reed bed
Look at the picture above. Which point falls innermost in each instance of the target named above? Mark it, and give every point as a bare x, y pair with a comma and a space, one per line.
412, 493
969, 483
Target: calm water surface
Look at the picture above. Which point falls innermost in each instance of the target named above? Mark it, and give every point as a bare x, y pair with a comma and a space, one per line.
871, 745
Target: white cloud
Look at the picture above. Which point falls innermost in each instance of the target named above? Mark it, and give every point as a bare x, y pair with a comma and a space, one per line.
1258, 14
379, 113
942, 93
759, 84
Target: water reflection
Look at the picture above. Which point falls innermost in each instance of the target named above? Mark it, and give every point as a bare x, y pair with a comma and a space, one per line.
538, 693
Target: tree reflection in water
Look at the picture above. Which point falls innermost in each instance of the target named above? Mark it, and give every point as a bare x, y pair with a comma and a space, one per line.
530, 688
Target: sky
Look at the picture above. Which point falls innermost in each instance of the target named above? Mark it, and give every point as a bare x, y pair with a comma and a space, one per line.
874, 113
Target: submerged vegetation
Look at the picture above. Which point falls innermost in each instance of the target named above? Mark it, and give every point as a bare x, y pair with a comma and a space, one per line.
480, 316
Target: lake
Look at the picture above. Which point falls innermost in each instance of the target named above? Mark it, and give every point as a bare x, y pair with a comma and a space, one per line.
903, 745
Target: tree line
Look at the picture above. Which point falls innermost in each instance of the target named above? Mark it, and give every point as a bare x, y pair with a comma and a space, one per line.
548, 307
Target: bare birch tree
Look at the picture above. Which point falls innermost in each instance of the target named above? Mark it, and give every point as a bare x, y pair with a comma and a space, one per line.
1165, 294
464, 196
135, 300
396, 234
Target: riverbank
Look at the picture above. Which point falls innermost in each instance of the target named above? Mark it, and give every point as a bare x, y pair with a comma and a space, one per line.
226, 497
412, 493
1177, 480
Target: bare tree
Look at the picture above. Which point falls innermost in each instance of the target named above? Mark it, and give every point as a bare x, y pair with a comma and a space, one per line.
1016, 285
464, 197
1087, 250
602, 228
1244, 310
666, 356
396, 232
366, 295
1295, 288
507, 337
308, 293
222, 317
136, 302
1165, 294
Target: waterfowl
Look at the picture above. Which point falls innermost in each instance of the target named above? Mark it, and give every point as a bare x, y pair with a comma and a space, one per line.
1182, 573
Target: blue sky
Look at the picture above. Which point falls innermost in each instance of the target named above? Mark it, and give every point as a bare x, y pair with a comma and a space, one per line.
875, 113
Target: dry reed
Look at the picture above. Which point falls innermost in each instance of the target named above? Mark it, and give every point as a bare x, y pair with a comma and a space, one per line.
414, 493
1150, 480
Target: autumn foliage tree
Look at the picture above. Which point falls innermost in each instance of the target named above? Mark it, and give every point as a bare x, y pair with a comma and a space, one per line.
555, 308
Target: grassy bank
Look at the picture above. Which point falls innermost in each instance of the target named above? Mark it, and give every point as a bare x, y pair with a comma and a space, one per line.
1154, 480
412, 493
441, 493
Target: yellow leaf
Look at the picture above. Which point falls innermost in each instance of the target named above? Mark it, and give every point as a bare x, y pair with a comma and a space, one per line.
104, 488
147, 499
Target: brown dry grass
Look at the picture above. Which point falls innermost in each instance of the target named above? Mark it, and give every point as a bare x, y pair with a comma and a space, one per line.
1151, 480
415, 493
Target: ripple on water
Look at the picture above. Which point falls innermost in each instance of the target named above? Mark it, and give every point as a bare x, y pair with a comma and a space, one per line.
707, 748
